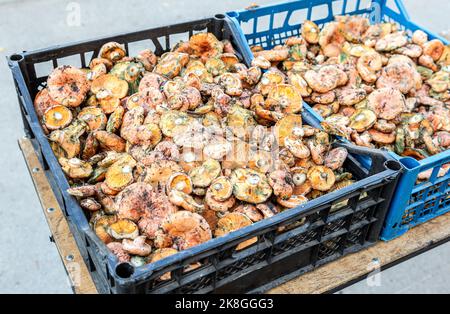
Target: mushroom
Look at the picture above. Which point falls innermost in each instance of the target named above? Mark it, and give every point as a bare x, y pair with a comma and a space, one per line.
148, 59
42, 102
117, 249
327, 78
219, 206
183, 230
387, 103
57, 117
75, 168
267, 209
123, 229
204, 175
362, 120
171, 64
250, 186
185, 201
261, 62
270, 78
159, 171
231, 83
94, 117
205, 45
250, 211
120, 174
274, 55
232, 222
68, 86
90, 204
112, 51
179, 181
282, 183
221, 189
160, 254
138, 246
194, 136
101, 227
381, 137
310, 32
335, 158
69, 138
297, 147
287, 97
173, 122
290, 125
110, 141
321, 178
109, 86
217, 148
115, 120
83, 191
292, 202
98, 61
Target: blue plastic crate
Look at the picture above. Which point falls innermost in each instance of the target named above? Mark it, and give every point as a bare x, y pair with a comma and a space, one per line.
269, 26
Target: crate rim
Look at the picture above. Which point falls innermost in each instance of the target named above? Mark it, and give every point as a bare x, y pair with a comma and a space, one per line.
94, 40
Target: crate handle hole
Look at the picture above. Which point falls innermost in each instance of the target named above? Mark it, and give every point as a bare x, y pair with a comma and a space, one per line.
124, 270
16, 58
393, 165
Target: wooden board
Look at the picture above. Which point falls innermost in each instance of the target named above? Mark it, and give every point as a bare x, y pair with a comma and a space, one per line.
70, 255
327, 278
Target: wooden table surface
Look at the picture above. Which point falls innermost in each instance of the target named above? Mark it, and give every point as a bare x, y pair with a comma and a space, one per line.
328, 278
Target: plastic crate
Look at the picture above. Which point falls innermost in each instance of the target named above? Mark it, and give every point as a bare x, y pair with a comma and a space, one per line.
269, 26
326, 233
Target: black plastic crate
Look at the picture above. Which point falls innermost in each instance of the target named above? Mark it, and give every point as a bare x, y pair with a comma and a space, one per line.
289, 243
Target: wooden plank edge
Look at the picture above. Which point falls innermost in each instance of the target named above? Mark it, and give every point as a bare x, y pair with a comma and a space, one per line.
355, 267
79, 276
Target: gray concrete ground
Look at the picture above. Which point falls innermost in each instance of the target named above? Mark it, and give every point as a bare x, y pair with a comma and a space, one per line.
29, 263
